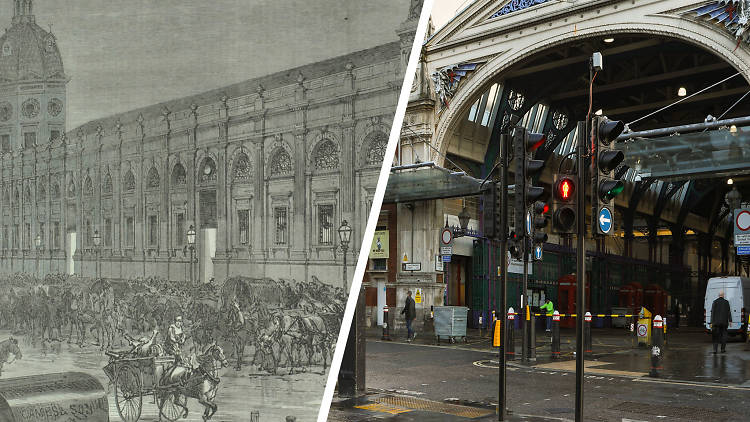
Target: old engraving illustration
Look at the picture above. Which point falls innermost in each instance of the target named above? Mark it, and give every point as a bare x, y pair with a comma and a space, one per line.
184, 187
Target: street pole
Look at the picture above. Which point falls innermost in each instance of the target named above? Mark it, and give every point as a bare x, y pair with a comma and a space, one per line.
501, 313
192, 278
525, 300
580, 264
344, 247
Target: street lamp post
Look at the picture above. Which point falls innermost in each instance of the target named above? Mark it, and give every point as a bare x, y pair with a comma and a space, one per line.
345, 234
97, 243
38, 243
191, 246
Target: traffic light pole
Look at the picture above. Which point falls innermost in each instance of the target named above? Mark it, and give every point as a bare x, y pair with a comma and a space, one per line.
525, 301
580, 264
501, 314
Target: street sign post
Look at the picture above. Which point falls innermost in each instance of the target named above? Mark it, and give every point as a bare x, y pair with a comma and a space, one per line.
743, 250
446, 258
446, 237
446, 250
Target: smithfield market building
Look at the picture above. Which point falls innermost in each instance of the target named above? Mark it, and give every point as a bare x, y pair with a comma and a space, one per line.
501, 63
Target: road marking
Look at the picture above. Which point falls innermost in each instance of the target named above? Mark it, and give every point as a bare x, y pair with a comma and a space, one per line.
693, 384
383, 408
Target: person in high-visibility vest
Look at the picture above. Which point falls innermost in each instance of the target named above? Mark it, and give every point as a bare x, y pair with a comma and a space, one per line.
550, 308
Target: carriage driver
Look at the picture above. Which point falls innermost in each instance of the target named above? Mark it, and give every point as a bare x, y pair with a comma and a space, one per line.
175, 340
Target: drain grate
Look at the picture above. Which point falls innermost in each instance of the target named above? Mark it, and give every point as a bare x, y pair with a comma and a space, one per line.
690, 413
414, 403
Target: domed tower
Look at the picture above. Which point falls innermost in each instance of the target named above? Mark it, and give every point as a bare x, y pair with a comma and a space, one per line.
32, 83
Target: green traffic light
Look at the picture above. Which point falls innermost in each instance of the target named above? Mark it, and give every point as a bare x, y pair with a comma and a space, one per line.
608, 189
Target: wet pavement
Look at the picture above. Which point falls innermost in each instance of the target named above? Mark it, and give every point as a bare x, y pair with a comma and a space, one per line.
240, 393
695, 384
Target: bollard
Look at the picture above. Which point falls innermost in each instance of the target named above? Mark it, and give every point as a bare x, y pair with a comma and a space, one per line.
480, 327
656, 349
386, 326
496, 337
556, 335
633, 334
664, 334
510, 347
532, 339
587, 332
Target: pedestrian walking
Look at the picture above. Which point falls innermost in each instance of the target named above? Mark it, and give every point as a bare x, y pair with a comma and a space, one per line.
549, 309
410, 313
720, 319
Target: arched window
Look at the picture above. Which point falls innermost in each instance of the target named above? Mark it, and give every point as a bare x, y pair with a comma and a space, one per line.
242, 170
55, 190
88, 187
326, 156
153, 181
107, 185
41, 192
129, 181
6, 198
281, 163
376, 144
179, 177
207, 172
27, 196
71, 189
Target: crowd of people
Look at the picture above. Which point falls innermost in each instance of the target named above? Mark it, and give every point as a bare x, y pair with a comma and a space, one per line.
273, 324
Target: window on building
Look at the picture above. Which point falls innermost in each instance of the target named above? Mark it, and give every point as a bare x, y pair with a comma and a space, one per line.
56, 235
153, 230
5, 141
16, 236
380, 264
29, 139
108, 232
244, 225
179, 230
279, 216
325, 224
129, 232
27, 236
89, 236
54, 135
42, 234
6, 232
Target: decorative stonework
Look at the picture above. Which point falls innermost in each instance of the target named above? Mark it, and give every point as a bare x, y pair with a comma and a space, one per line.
55, 107
281, 163
375, 145
732, 14
179, 176
128, 181
88, 187
242, 170
207, 173
516, 5
152, 180
30, 108
326, 156
107, 184
447, 79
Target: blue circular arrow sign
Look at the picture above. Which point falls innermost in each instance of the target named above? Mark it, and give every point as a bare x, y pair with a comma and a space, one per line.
605, 220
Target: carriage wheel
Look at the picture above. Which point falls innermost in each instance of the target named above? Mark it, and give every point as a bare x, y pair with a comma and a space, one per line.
128, 393
168, 407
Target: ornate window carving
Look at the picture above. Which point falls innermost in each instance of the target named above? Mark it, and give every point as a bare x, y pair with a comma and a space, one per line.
88, 187
376, 146
179, 176
27, 196
281, 163
242, 168
129, 181
30, 108
55, 190
107, 185
152, 181
54, 107
207, 172
71, 189
326, 156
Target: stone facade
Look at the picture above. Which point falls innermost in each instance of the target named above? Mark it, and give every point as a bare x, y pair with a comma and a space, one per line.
265, 171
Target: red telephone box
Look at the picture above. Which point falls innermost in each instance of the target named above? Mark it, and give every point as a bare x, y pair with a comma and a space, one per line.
631, 296
566, 299
655, 299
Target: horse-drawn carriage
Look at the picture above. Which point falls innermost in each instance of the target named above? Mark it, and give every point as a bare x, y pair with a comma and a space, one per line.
135, 376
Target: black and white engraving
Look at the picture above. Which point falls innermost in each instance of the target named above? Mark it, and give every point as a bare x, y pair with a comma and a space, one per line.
186, 255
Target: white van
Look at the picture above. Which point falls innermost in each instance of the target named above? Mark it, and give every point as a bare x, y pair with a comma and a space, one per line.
737, 292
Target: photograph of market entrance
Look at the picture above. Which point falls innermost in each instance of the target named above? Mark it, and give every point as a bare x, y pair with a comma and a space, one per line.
184, 187
605, 143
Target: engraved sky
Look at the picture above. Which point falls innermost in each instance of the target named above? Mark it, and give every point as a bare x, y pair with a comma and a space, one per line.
121, 55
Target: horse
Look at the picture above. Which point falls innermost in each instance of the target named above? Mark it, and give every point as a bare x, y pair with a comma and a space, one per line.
199, 382
315, 337
8, 347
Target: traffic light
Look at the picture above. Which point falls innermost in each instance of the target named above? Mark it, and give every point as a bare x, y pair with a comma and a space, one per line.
564, 201
525, 194
538, 236
491, 207
605, 186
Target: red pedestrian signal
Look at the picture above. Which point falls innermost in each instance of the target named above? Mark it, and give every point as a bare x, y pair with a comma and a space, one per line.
565, 189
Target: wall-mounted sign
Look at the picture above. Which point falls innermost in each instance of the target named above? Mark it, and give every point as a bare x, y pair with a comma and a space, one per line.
412, 266
379, 247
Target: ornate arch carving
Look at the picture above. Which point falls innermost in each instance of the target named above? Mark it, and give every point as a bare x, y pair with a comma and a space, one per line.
241, 166
153, 181
178, 177
373, 149
325, 155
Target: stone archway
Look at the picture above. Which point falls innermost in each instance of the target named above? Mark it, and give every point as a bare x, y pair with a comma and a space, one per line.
721, 44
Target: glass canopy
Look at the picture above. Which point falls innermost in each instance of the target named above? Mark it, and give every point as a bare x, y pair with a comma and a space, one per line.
427, 182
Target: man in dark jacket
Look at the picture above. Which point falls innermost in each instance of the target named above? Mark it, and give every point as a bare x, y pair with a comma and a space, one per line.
721, 316
410, 313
